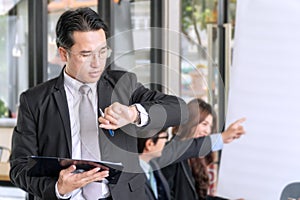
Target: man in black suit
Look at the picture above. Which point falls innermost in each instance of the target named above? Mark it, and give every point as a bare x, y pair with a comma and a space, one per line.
155, 154
48, 119
151, 147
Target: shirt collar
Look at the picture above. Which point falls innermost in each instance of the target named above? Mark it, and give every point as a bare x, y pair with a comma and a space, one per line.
145, 166
75, 84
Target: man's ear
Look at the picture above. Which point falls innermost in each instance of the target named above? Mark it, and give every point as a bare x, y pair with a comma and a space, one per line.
149, 145
62, 54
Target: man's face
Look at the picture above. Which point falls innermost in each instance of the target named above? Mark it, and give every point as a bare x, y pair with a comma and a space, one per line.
160, 144
86, 59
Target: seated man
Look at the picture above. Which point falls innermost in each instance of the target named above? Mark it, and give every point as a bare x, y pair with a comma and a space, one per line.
154, 155
149, 148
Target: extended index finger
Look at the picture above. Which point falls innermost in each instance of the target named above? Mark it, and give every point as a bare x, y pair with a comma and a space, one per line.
239, 121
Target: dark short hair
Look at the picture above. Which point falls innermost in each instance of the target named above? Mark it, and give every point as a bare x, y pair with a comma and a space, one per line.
81, 19
144, 136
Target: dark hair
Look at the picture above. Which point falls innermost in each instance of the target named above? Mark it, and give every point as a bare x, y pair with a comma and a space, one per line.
81, 19
198, 111
200, 174
146, 135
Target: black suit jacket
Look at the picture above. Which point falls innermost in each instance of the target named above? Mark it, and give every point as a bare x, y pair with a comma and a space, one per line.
163, 189
180, 179
174, 166
179, 174
43, 129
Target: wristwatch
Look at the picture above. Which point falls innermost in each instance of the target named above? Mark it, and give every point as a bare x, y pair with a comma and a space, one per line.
137, 120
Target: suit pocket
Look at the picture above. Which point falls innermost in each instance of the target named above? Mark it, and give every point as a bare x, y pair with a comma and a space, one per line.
137, 182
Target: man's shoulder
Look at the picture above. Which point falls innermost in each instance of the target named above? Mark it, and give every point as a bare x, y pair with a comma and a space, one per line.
41, 90
43, 86
118, 73
119, 76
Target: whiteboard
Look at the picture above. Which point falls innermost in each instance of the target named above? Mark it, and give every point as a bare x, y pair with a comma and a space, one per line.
264, 88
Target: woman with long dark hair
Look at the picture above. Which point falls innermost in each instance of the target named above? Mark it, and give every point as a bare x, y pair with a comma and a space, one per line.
189, 179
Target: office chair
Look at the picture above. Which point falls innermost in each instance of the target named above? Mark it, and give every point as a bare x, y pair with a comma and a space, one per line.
291, 192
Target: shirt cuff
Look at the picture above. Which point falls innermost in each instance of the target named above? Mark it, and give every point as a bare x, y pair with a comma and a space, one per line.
143, 115
216, 142
66, 196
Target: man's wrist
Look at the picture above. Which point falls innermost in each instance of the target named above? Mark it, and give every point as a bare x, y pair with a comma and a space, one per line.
60, 196
137, 118
142, 114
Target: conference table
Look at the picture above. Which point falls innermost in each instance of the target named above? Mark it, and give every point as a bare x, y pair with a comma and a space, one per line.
5, 180
4, 174
6, 130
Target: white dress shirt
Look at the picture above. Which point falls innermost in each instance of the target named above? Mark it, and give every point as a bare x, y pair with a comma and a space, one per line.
73, 99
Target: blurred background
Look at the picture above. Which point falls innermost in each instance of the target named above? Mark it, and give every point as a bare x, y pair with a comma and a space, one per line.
181, 47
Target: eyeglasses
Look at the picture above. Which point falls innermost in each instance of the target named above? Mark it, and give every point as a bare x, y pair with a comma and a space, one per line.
163, 137
103, 53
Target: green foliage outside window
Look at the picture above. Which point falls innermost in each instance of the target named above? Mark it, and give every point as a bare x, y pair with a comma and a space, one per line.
3, 109
196, 14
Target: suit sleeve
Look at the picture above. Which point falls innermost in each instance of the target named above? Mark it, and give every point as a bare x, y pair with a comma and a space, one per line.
178, 150
24, 143
164, 110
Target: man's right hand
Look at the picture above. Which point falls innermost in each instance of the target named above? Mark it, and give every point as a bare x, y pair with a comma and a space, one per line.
69, 181
118, 115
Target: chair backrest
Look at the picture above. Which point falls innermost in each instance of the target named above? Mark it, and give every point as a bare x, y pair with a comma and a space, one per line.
291, 192
4, 154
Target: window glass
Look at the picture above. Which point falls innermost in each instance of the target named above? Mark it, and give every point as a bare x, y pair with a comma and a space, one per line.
131, 38
200, 77
196, 15
55, 9
13, 55
140, 12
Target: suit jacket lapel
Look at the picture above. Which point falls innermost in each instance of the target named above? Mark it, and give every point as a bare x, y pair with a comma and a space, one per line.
162, 184
114, 148
61, 101
149, 191
104, 92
